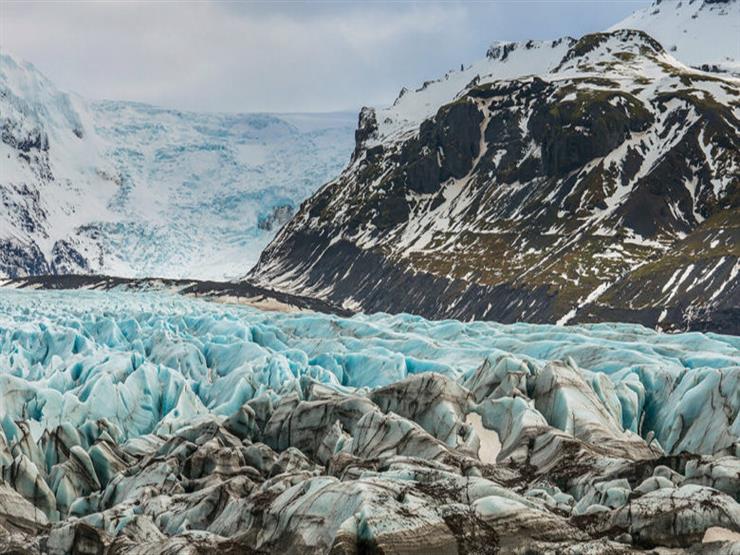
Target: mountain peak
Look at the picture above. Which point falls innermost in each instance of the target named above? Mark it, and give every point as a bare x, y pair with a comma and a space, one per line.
611, 48
500, 50
629, 39
700, 33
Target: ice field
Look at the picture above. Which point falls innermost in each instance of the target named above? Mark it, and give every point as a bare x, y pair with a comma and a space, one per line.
152, 362
155, 423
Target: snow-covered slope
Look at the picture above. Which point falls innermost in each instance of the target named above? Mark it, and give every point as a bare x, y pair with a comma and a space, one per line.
695, 32
683, 27
504, 60
700, 33
133, 190
53, 174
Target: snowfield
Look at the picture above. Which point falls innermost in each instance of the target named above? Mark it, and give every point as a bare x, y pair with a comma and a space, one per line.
155, 421
202, 194
699, 33
132, 190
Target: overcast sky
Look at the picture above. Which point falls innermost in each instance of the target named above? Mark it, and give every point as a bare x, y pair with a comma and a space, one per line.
275, 56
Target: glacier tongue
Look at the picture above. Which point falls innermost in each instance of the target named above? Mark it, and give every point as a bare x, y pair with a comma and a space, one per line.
156, 421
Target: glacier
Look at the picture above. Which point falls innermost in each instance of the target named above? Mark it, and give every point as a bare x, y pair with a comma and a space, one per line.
202, 194
132, 190
149, 422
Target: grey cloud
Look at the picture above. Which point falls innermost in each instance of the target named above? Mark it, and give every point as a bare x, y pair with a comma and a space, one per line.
274, 56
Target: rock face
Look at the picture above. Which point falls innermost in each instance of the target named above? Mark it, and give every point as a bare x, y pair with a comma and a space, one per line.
590, 180
136, 423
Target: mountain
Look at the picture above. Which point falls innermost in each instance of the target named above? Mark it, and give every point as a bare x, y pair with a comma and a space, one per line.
133, 190
575, 180
702, 34
52, 161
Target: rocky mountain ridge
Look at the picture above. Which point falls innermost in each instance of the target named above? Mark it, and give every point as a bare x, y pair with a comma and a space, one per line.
605, 188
